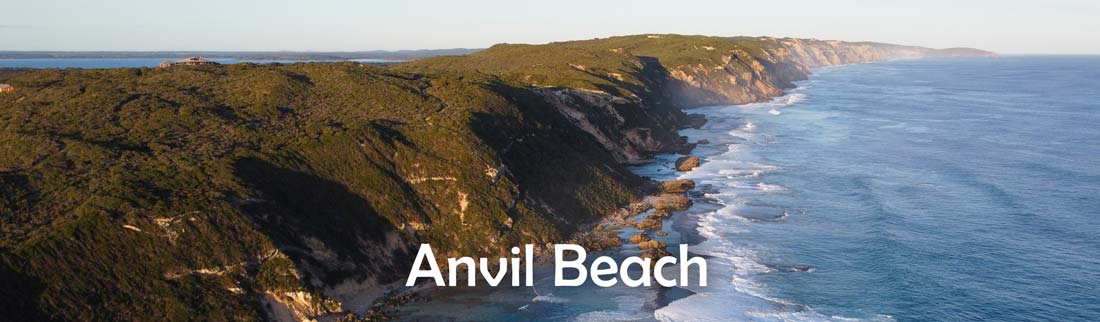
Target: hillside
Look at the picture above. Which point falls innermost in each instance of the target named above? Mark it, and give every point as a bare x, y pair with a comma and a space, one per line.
251, 192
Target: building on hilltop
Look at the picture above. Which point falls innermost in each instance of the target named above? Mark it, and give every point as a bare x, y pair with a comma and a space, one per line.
4, 88
189, 61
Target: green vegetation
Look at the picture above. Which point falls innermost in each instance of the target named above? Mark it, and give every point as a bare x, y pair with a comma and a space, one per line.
590, 64
631, 65
191, 193
144, 194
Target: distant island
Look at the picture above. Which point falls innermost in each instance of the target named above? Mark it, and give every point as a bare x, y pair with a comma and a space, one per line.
300, 191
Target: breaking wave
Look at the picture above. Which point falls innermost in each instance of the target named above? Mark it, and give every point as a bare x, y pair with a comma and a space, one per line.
732, 175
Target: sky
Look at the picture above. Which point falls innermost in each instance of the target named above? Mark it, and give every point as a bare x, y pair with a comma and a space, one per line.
1007, 26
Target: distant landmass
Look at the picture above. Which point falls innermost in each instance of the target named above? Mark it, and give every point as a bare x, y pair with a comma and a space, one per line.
243, 55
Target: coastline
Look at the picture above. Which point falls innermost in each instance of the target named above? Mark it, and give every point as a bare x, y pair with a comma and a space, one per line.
465, 152
685, 224
611, 234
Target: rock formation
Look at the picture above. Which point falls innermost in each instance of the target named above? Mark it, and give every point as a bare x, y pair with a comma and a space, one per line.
685, 164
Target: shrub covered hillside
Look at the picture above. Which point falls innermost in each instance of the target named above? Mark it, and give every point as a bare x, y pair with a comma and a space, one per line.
252, 192
195, 193
700, 70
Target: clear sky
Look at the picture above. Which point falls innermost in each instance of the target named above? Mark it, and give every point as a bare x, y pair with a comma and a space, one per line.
1007, 26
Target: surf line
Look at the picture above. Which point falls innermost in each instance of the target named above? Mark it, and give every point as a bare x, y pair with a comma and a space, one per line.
603, 269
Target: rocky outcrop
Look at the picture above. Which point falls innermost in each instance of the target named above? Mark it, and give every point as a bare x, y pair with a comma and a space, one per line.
649, 223
669, 201
677, 186
601, 115
688, 163
652, 244
297, 306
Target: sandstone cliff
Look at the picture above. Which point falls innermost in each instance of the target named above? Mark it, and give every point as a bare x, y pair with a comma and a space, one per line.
744, 70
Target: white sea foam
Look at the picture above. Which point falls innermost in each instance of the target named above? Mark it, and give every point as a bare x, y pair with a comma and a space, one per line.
785, 100
547, 298
735, 176
628, 309
770, 187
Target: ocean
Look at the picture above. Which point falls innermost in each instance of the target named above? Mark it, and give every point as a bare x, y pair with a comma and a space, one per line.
910, 190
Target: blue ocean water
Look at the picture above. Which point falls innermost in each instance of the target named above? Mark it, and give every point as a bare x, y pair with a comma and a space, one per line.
913, 190
139, 62
916, 190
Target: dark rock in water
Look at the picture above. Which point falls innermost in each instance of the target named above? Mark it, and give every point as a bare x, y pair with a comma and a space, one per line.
688, 163
703, 141
802, 268
707, 188
694, 121
677, 186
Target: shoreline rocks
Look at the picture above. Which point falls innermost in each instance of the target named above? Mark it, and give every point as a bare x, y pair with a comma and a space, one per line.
669, 201
685, 164
654, 254
652, 244
649, 223
693, 121
660, 214
677, 186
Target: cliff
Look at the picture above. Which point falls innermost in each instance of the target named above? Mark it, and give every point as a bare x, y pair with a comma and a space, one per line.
628, 91
250, 192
